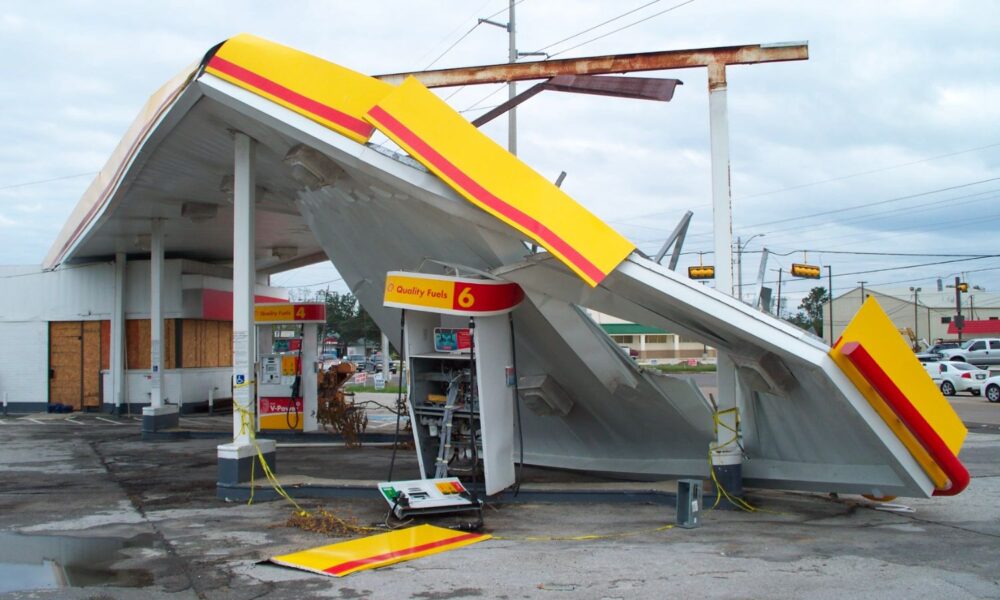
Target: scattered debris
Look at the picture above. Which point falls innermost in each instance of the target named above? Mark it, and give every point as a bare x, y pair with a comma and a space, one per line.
324, 521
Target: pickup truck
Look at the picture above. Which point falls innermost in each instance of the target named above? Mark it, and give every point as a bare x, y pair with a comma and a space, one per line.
983, 351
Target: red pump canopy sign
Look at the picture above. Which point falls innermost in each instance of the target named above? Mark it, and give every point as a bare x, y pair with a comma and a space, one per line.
450, 295
289, 313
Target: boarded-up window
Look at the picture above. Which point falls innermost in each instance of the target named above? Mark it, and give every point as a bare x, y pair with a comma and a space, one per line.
137, 344
205, 343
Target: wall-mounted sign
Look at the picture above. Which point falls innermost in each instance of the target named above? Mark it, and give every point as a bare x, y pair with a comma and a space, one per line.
450, 295
289, 313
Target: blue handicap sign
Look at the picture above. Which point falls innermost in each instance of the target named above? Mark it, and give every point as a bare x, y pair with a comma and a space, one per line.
240, 379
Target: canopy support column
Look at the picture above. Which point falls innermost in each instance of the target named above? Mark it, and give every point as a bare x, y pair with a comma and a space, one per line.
727, 457
236, 458
158, 415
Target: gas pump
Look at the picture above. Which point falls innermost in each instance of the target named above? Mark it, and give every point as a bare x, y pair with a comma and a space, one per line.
458, 346
287, 367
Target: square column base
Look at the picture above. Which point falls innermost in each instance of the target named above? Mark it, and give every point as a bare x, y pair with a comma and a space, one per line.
237, 461
159, 418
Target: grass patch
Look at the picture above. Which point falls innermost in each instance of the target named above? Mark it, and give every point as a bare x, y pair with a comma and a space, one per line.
685, 368
370, 387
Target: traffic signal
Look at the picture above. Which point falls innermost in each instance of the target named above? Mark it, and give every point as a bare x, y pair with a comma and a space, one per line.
805, 271
701, 272
963, 287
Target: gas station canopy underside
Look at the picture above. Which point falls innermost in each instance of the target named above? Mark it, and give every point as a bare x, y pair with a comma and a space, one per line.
322, 195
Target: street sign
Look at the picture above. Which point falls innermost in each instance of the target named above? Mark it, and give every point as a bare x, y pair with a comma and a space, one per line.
379, 381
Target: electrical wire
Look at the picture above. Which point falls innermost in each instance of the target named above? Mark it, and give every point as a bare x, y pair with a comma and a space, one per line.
869, 172
50, 180
599, 25
623, 28
870, 204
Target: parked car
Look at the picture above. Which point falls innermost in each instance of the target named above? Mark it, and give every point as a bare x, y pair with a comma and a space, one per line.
954, 376
358, 360
991, 389
977, 352
374, 365
937, 348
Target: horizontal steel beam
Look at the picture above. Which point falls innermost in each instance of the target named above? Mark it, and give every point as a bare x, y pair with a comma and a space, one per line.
614, 63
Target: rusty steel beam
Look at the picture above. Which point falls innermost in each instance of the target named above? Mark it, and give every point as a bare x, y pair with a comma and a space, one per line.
614, 63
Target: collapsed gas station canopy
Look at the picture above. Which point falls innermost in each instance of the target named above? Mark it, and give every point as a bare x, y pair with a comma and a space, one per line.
811, 419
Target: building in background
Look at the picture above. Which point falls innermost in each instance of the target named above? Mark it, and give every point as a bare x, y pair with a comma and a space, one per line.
650, 343
929, 314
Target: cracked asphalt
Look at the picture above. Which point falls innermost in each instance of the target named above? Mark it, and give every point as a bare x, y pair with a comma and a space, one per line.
157, 500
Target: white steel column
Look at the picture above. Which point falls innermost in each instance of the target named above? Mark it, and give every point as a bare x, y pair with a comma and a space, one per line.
157, 415
307, 385
727, 459
156, 313
244, 278
236, 459
118, 336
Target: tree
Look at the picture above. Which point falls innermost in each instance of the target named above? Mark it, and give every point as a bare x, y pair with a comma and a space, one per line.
810, 315
346, 317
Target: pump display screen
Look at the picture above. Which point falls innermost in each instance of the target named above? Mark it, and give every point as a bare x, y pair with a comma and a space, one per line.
452, 340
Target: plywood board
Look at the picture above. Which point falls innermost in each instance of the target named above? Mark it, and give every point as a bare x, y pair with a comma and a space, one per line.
65, 369
91, 364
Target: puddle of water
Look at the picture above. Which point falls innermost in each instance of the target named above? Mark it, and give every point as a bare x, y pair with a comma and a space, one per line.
32, 562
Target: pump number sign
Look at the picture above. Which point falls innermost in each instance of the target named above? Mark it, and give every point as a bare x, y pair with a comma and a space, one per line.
450, 295
289, 313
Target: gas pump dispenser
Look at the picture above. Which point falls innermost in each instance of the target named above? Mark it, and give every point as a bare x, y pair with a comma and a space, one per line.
287, 367
458, 347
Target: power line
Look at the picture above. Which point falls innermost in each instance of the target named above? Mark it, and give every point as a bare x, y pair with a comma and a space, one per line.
599, 25
870, 204
910, 210
449, 48
624, 27
870, 172
41, 181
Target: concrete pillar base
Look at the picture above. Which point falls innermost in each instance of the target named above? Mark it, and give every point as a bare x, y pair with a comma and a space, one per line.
159, 418
730, 478
237, 461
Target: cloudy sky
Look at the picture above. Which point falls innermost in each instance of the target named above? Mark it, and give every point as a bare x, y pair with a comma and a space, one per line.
878, 154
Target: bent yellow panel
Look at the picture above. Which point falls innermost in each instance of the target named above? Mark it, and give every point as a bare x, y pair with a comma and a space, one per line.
378, 550
496, 181
877, 333
320, 90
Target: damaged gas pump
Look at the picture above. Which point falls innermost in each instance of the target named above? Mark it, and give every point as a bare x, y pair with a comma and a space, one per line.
458, 348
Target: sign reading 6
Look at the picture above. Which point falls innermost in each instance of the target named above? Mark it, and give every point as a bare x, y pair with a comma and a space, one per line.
465, 298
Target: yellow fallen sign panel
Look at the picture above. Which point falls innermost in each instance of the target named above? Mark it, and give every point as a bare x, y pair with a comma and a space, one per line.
378, 550
496, 181
329, 94
876, 333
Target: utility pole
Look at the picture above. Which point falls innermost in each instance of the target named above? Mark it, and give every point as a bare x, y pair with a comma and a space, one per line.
862, 292
829, 271
959, 321
512, 56
777, 308
916, 324
512, 86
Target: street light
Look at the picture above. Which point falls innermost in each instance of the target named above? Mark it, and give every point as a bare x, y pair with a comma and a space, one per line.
739, 262
916, 326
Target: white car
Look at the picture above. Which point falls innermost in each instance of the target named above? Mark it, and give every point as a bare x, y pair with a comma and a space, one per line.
954, 376
991, 389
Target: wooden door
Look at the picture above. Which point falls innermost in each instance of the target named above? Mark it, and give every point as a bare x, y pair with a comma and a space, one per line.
66, 363
76, 356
